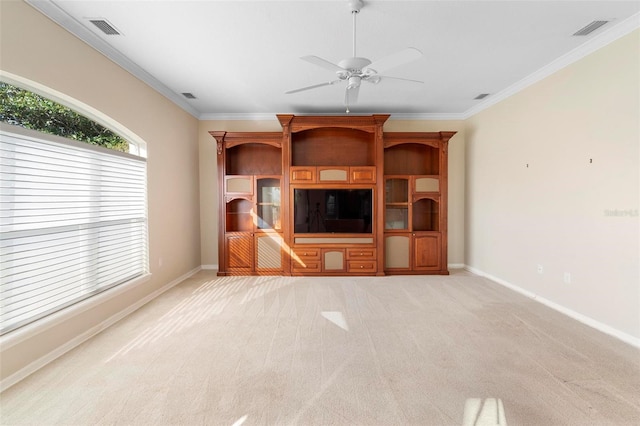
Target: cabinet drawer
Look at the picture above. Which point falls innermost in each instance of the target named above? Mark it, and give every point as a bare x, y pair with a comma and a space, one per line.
361, 266
306, 253
305, 259
303, 174
364, 254
305, 265
365, 174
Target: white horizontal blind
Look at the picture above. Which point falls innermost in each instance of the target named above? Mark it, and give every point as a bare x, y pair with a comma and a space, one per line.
73, 223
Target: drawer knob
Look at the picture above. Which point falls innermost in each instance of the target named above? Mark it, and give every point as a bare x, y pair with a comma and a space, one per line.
361, 266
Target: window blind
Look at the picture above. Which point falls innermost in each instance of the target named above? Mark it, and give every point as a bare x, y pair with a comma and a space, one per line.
73, 223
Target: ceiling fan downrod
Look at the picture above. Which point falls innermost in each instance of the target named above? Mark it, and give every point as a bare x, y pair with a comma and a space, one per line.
354, 13
355, 6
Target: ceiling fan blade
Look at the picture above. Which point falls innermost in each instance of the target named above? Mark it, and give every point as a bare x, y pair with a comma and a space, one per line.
329, 83
322, 63
384, 77
351, 95
399, 58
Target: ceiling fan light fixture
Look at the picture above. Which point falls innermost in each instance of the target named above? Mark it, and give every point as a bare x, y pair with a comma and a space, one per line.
354, 81
374, 79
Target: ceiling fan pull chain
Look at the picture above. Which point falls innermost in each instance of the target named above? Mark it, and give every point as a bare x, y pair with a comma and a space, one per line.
346, 100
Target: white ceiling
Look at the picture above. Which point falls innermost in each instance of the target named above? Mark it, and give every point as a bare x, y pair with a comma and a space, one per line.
239, 57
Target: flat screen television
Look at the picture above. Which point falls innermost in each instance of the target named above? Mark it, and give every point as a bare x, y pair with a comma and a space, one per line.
332, 211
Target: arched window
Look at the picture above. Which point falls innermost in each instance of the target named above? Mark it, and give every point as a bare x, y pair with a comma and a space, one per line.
73, 208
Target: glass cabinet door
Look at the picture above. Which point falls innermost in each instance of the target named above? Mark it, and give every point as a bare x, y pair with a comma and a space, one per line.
268, 203
396, 192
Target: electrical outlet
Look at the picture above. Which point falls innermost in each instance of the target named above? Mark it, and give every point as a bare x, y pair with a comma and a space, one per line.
567, 277
540, 269
160, 263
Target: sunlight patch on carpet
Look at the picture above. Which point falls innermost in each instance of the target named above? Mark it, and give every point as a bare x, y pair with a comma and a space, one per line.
337, 318
489, 412
240, 421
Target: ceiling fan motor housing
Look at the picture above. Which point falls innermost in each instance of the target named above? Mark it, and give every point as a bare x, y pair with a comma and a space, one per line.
354, 64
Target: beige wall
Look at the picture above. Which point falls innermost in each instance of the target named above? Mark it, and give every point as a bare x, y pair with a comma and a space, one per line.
35, 48
208, 178
578, 131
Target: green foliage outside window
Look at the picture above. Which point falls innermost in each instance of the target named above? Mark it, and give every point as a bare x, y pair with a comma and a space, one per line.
26, 109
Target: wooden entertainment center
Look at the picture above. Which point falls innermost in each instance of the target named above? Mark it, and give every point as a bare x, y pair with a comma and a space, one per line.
332, 195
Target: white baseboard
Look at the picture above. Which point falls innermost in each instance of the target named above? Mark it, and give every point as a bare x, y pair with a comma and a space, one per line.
625, 337
456, 265
210, 267
61, 350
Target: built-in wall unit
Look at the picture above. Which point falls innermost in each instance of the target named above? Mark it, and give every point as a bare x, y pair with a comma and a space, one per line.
332, 195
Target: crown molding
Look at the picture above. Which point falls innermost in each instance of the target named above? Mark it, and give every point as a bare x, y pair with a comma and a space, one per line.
270, 116
59, 16
428, 116
257, 116
590, 46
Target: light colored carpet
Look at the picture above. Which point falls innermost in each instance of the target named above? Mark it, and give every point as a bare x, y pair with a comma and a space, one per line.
337, 351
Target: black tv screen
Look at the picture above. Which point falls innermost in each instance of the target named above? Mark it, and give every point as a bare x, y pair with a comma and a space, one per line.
333, 211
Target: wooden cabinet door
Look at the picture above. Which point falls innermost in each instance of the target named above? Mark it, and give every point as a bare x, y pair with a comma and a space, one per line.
426, 252
269, 252
333, 260
239, 252
397, 252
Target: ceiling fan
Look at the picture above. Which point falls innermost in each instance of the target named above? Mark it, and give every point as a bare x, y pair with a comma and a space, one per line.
355, 70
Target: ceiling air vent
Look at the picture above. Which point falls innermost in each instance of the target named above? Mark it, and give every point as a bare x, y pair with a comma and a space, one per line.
188, 95
481, 96
104, 26
589, 28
